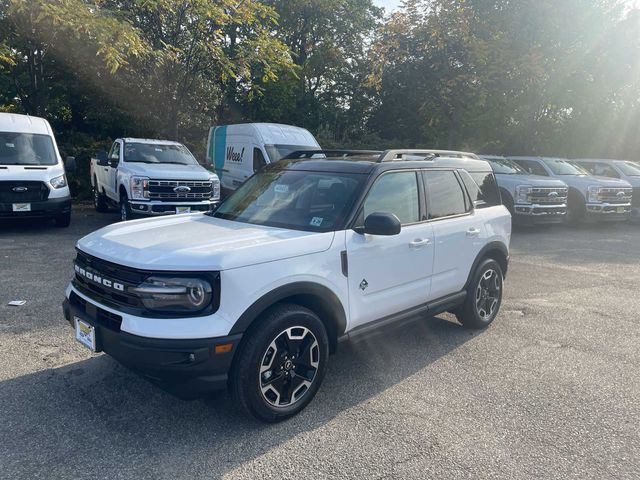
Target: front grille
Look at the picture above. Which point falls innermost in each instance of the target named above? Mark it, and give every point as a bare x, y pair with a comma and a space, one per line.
126, 276
100, 315
549, 195
27, 191
164, 190
612, 195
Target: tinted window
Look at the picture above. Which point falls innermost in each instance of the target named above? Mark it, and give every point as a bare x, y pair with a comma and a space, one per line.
533, 167
445, 194
482, 188
310, 201
258, 160
395, 193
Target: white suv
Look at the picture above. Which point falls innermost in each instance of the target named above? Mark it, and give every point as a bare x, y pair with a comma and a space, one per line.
255, 295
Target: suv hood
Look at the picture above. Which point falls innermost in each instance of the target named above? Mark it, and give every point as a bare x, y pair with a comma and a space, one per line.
512, 181
169, 171
197, 242
583, 181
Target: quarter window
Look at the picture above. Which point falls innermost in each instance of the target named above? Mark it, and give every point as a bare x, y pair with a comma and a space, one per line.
445, 194
482, 188
395, 193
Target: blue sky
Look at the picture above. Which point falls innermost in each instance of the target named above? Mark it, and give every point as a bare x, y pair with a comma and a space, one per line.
388, 4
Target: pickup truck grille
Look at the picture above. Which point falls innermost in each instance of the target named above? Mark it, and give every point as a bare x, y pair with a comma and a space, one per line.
549, 195
35, 191
615, 195
179, 190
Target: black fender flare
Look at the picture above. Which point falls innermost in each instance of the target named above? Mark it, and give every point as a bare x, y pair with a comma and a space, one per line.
332, 312
490, 250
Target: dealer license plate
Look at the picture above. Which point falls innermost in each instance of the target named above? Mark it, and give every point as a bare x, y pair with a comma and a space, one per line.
183, 209
620, 209
21, 207
85, 334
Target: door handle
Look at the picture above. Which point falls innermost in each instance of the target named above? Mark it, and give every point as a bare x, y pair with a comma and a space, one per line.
420, 242
473, 232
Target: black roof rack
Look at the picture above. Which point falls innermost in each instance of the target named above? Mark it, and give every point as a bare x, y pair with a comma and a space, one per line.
392, 155
331, 153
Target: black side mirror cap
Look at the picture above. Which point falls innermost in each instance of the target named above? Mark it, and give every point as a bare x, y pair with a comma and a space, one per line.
102, 158
70, 164
379, 223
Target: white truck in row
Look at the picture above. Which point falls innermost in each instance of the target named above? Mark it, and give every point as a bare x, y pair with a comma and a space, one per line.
151, 178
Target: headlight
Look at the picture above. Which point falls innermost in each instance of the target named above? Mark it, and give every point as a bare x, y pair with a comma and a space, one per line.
174, 294
59, 182
522, 193
593, 195
139, 188
215, 187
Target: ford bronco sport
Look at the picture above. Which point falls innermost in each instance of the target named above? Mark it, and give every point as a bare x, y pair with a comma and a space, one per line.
255, 295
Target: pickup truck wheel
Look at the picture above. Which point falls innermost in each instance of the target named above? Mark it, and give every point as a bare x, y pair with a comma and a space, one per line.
125, 208
280, 367
99, 199
63, 220
484, 296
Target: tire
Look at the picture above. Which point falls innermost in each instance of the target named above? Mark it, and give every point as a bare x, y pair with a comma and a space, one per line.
125, 208
484, 296
266, 380
99, 199
63, 220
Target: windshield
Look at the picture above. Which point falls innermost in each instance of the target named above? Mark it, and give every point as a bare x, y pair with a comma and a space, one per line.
158, 153
299, 200
630, 169
505, 166
26, 149
278, 152
564, 167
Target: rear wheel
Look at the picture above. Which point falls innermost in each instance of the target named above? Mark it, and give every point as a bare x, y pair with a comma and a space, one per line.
63, 220
280, 367
125, 208
484, 296
99, 199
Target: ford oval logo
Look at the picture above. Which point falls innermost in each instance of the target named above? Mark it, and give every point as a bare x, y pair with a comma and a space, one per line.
181, 189
620, 194
19, 189
553, 194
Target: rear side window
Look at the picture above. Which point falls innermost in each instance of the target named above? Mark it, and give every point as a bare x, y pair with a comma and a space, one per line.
482, 188
445, 195
396, 193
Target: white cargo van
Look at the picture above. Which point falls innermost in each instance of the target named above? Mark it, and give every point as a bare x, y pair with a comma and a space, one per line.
237, 151
33, 182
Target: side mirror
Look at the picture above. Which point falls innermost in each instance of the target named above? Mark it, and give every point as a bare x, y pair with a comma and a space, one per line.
379, 223
70, 164
102, 158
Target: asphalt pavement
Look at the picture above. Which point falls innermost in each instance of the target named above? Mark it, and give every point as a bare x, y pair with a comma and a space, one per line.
550, 390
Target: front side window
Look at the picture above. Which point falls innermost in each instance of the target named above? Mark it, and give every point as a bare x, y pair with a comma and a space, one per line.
533, 167
258, 160
445, 194
298, 200
115, 152
26, 149
601, 169
396, 193
564, 167
158, 153
278, 152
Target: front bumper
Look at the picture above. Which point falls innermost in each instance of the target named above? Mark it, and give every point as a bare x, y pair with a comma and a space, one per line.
608, 212
46, 208
154, 208
534, 214
187, 368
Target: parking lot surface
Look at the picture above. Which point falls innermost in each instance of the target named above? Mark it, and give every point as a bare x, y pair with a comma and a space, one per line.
550, 390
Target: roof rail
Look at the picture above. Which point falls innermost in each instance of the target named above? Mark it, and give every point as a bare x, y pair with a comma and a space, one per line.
330, 153
392, 155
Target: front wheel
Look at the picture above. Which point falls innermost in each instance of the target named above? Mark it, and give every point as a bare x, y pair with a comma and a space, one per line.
125, 208
280, 367
63, 220
484, 296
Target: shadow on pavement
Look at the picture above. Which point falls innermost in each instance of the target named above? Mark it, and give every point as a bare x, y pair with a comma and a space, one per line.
94, 418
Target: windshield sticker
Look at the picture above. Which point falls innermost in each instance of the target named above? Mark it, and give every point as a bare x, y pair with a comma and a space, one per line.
316, 221
158, 149
281, 188
10, 145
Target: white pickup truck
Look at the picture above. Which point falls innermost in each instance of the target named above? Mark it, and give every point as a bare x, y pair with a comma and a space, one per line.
152, 177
